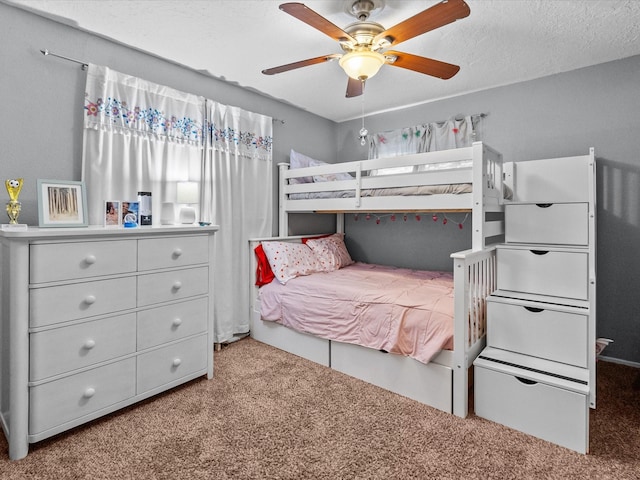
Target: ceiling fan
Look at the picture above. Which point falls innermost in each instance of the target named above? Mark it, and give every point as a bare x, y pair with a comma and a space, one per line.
364, 42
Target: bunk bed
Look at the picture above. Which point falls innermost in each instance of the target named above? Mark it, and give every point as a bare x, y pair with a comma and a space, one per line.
475, 174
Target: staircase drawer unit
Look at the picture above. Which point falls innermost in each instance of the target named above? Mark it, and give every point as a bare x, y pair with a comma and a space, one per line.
543, 270
539, 405
547, 223
549, 331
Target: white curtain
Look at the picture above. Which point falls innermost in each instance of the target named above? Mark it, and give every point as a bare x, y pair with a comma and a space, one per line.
429, 137
237, 192
138, 136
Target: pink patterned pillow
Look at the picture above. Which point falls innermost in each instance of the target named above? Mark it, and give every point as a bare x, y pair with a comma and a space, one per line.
290, 260
331, 251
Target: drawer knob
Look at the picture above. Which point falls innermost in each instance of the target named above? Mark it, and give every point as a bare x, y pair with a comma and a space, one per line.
90, 259
177, 252
177, 285
177, 322
89, 392
90, 299
176, 362
89, 344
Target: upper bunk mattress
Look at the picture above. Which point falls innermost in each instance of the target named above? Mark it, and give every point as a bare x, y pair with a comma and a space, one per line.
398, 310
455, 188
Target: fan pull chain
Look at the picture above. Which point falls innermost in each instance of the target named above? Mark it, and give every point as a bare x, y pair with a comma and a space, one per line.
363, 131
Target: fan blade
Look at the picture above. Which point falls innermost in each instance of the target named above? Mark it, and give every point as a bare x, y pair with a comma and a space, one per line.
301, 63
434, 17
317, 21
428, 66
355, 88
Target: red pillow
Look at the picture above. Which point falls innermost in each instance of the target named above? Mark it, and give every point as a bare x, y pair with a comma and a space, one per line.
264, 274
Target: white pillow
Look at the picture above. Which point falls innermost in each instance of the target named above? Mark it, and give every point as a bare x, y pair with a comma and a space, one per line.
290, 260
298, 160
331, 251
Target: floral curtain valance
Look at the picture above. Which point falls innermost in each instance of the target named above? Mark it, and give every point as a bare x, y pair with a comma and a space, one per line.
238, 131
124, 103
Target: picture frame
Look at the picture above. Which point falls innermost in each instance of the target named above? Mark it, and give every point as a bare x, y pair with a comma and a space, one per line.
112, 216
62, 203
129, 214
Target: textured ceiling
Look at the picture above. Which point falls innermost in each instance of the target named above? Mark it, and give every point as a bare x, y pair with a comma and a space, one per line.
501, 42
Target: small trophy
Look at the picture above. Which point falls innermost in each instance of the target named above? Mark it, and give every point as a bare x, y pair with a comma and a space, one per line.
13, 205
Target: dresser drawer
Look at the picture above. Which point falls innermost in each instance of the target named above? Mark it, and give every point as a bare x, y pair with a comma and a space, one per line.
552, 413
548, 223
65, 261
69, 398
543, 272
154, 253
541, 330
173, 285
172, 322
65, 349
166, 364
61, 303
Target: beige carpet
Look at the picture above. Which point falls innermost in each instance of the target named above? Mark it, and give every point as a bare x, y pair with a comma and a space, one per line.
271, 415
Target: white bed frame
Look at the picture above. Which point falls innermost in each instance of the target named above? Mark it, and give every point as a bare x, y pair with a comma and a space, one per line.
444, 382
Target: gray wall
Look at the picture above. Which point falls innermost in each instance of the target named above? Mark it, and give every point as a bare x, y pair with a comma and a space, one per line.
42, 98
555, 116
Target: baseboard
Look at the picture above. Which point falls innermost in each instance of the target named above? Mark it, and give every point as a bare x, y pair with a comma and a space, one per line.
618, 360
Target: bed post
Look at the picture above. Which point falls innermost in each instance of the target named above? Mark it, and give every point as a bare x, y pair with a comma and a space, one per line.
477, 213
283, 216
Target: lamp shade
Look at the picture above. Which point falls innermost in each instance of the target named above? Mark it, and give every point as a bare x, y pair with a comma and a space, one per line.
187, 192
362, 64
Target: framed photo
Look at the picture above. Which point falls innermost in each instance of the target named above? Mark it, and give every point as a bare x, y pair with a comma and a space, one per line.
62, 204
112, 217
129, 214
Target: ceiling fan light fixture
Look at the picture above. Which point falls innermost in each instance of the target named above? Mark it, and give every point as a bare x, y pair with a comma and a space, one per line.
362, 64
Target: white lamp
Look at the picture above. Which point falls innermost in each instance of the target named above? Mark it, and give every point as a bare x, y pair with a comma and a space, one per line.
186, 194
362, 64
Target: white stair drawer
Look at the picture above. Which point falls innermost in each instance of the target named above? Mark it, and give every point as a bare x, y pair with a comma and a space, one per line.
550, 223
154, 253
543, 272
61, 303
65, 261
65, 349
72, 397
172, 322
166, 364
544, 411
173, 285
538, 330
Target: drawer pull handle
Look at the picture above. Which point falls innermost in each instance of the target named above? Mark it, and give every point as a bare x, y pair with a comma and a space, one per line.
544, 205
176, 362
177, 252
90, 299
89, 344
534, 309
539, 252
177, 285
177, 322
526, 381
90, 259
89, 392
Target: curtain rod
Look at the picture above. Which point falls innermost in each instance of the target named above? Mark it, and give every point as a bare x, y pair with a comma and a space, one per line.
46, 52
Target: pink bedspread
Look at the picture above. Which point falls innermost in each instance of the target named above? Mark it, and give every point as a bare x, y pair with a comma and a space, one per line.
409, 312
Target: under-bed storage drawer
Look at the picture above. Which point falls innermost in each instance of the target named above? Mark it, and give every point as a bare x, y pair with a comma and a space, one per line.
542, 330
541, 409
547, 223
544, 271
60, 401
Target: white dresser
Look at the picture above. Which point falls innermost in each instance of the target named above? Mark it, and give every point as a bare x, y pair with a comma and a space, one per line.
537, 374
95, 319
